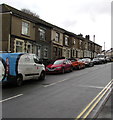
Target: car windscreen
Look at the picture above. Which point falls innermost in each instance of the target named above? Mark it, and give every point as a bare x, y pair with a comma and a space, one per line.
95, 59
58, 62
86, 60
80, 60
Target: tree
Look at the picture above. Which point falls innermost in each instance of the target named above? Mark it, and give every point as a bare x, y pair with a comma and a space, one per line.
29, 12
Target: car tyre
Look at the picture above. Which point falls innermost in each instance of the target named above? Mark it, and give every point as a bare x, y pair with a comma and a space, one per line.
42, 76
63, 70
79, 67
19, 80
84, 66
71, 69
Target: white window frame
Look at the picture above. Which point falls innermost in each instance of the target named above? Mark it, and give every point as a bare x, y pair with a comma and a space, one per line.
22, 46
42, 34
57, 37
66, 40
74, 42
25, 28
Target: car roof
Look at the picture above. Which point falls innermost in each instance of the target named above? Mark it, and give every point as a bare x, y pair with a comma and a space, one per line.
60, 59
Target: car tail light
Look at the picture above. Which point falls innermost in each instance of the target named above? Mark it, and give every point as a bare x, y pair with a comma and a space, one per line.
7, 66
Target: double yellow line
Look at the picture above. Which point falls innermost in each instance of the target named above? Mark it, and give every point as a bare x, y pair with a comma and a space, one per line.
89, 108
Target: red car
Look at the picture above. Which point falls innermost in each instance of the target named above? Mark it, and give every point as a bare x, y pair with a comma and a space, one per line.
59, 66
77, 63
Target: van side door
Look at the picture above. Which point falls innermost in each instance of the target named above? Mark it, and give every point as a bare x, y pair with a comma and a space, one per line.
25, 66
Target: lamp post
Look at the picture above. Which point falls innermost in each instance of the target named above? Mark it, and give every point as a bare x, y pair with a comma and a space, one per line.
104, 48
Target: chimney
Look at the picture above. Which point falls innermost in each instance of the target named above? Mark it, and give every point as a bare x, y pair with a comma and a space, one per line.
94, 38
80, 35
87, 37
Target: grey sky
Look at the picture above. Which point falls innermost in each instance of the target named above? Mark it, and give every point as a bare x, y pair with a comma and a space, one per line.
91, 17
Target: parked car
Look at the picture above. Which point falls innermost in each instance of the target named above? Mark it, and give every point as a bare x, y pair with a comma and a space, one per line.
96, 61
17, 67
102, 58
108, 59
59, 66
88, 62
111, 59
77, 63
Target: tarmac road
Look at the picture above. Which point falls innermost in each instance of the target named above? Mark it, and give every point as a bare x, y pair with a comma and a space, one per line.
59, 96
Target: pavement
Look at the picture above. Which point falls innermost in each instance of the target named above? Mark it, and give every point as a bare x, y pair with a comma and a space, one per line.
107, 111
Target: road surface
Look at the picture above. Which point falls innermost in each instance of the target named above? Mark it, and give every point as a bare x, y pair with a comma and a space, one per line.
59, 96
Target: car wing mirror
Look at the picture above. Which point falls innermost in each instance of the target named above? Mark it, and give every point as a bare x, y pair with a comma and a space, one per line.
39, 62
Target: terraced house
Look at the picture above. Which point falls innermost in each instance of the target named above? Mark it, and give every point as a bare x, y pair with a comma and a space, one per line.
22, 32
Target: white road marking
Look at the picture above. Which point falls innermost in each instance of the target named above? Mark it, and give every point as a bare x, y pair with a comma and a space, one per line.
100, 87
11, 98
56, 82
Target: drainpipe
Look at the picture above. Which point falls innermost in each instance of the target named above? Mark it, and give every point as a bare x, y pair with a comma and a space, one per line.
9, 41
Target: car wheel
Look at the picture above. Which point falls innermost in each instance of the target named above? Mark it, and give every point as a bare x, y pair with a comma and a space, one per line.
71, 68
83, 66
19, 80
63, 70
90, 65
79, 67
42, 76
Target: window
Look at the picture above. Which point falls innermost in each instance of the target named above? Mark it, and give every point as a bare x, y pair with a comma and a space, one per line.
25, 28
80, 43
74, 42
57, 37
45, 52
19, 46
66, 41
42, 34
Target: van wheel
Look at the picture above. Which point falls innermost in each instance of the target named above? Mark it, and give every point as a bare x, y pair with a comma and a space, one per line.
42, 76
19, 80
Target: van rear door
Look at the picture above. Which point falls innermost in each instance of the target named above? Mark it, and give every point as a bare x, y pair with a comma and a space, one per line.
2, 71
37, 67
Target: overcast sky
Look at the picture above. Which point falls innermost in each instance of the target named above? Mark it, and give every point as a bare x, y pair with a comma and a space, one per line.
88, 17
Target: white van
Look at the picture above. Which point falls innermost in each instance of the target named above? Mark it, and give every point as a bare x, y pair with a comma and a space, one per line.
17, 67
